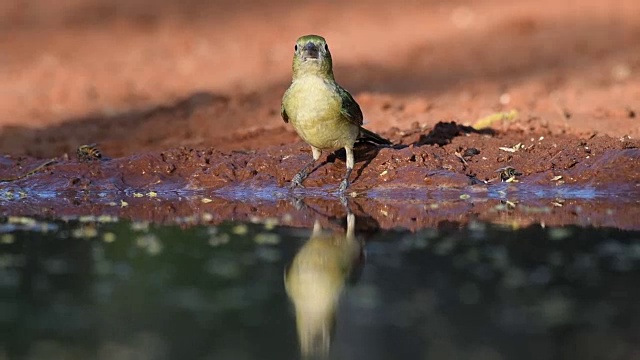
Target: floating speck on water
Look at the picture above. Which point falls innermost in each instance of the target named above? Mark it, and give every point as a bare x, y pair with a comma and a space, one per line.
559, 233
84, 232
240, 229
430, 234
267, 238
123, 203
420, 243
478, 231
108, 237
434, 206
206, 200
268, 254
107, 219
270, 223
445, 246
223, 267
217, 240
21, 220
7, 239
191, 219
140, 226
465, 196
477, 226
137, 195
152, 194
87, 218
151, 243
414, 241
9, 260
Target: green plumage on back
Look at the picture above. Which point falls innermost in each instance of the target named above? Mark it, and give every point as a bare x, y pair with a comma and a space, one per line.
350, 108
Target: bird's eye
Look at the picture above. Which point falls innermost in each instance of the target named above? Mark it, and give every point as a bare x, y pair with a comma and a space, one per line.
326, 47
295, 48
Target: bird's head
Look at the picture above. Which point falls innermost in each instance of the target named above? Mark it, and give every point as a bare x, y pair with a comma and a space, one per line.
312, 57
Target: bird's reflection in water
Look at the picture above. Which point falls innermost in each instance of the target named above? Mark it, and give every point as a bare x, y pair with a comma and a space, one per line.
316, 278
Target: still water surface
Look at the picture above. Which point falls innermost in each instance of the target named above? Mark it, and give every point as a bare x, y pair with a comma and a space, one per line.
109, 289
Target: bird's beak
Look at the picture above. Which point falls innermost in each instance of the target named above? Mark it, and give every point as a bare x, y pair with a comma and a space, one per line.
310, 51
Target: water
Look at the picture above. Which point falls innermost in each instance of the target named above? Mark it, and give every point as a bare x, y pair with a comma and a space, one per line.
101, 288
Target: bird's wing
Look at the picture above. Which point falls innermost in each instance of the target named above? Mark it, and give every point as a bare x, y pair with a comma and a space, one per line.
350, 108
283, 112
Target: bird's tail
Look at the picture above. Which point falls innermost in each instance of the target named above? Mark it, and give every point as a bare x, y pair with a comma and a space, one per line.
373, 138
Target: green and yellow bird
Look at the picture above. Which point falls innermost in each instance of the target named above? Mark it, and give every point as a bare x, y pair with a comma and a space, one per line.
324, 114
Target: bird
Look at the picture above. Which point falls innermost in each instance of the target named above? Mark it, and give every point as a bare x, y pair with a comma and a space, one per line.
323, 113
315, 279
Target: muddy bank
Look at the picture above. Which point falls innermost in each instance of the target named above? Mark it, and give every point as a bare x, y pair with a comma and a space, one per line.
447, 173
447, 156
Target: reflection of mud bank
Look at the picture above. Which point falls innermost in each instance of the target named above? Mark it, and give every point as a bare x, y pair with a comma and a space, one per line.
385, 209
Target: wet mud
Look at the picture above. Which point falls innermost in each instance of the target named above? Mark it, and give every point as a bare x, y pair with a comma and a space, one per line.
450, 173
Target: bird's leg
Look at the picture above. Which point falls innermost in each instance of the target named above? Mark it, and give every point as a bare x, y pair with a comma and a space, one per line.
306, 170
351, 225
345, 181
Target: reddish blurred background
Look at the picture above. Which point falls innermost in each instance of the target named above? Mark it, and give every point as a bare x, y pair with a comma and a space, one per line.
136, 75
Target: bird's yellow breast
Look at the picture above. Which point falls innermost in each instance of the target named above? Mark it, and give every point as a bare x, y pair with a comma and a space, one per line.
313, 106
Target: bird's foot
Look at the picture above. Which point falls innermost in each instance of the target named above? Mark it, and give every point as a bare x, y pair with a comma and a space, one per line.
343, 186
345, 181
344, 201
298, 203
297, 180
